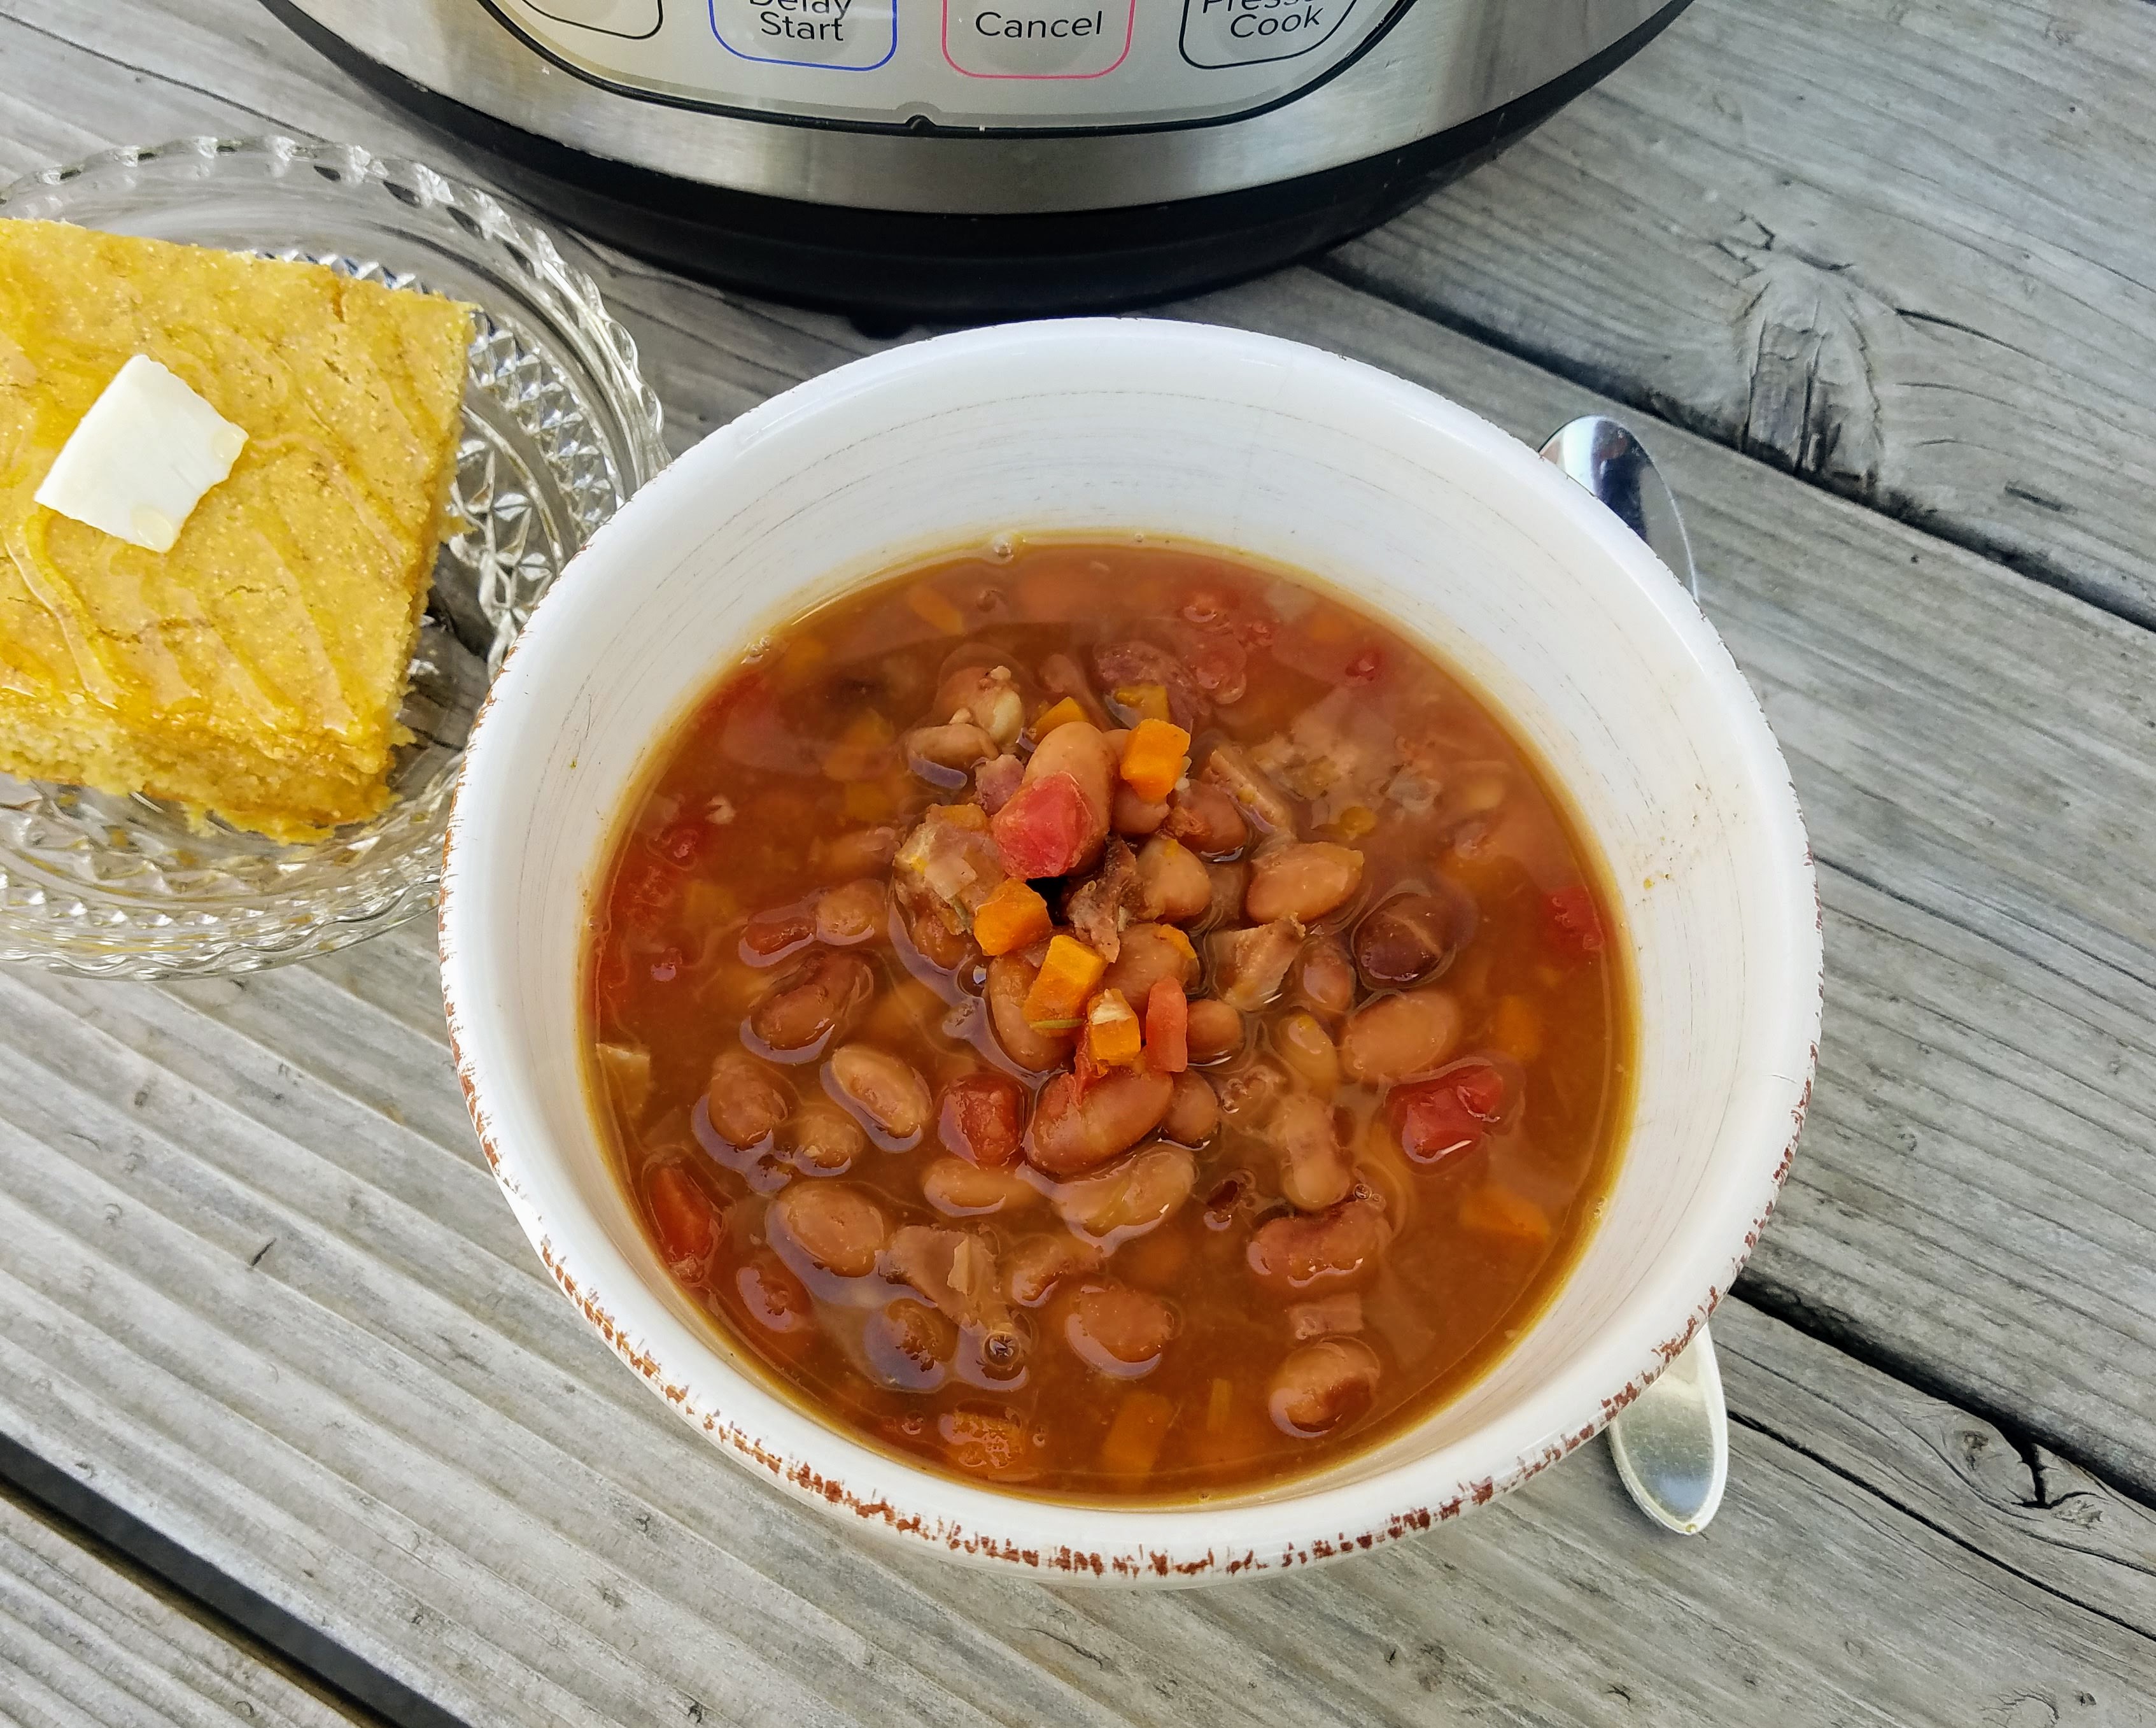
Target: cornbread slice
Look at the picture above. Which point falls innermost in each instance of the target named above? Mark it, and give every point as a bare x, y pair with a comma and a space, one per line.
255, 669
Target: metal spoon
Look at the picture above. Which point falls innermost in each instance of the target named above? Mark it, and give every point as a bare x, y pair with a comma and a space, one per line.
1671, 1442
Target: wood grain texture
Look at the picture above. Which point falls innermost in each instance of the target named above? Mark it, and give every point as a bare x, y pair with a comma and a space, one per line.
84, 1643
308, 1337
1904, 248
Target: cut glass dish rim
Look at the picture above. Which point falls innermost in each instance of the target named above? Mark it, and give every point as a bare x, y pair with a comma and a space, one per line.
560, 428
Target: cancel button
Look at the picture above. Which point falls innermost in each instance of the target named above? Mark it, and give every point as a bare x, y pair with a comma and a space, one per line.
1242, 33
1037, 38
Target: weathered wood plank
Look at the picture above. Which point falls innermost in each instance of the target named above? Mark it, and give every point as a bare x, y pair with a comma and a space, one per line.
1907, 248
82, 1641
390, 1417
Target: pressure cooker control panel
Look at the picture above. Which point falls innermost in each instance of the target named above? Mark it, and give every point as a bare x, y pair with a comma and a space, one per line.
965, 63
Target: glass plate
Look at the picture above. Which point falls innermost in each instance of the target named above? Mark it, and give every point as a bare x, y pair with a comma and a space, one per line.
559, 429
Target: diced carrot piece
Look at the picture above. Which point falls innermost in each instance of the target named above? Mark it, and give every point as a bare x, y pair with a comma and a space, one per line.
959, 815
1061, 713
863, 751
1012, 918
1148, 702
1516, 1027
1178, 938
1067, 976
1155, 758
1112, 1036
1498, 1212
866, 800
1134, 1437
937, 610
1168, 1027
1219, 1402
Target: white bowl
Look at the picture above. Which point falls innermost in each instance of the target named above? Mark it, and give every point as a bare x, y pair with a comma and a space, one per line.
1407, 502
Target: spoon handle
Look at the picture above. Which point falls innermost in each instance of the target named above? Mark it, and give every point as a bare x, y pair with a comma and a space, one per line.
1671, 1442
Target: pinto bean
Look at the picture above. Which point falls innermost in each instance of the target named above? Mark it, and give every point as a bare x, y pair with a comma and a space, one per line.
1174, 884
988, 696
929, 928
1134, 816
1323, 1386
961, 1190
1315, 1171
1036, 1266
1228, 882
853, 912
1248, 1091
1306, 1049
1193, 1111
1412, 937
1071, 1135
810, 1003
834, 1227
1207, 819
1249, 964
908, 1346
773, 1297
683, 1218
1118, 1331
1327, 1317
776, 932
886, 1089
981, 1117
1010, 977
822, 1137
747, 1098
1303, 881
944, 755
1081, 751
1314, 1254
863, 853
1216, 1031
1397, 1038
1130, 1197
1145, 954
1323, 978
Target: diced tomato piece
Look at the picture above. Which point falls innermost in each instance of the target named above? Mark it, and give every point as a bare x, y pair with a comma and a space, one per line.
1575, 925
981, 1118
1168, 1027
684, 1218
1433, 1122
1046, 829
1365, 666
644, 892
1480, 1088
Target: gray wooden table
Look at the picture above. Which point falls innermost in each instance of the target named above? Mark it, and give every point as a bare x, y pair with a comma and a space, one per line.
297, 1428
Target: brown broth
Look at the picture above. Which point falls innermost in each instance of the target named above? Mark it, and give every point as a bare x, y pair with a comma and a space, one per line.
751, 804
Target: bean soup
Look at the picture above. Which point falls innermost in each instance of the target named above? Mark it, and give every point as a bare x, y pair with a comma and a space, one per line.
1109, 1020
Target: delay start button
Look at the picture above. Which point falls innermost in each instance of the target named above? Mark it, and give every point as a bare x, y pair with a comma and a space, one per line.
840, 35
1244, 32
1037, 38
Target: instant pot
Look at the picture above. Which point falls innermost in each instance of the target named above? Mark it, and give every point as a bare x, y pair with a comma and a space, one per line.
943, 159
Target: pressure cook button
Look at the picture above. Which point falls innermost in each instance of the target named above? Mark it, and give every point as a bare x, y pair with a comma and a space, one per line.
839, 35
1243, 33
1037, 38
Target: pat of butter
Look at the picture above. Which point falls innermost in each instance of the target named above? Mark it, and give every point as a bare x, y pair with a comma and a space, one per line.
137, 464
